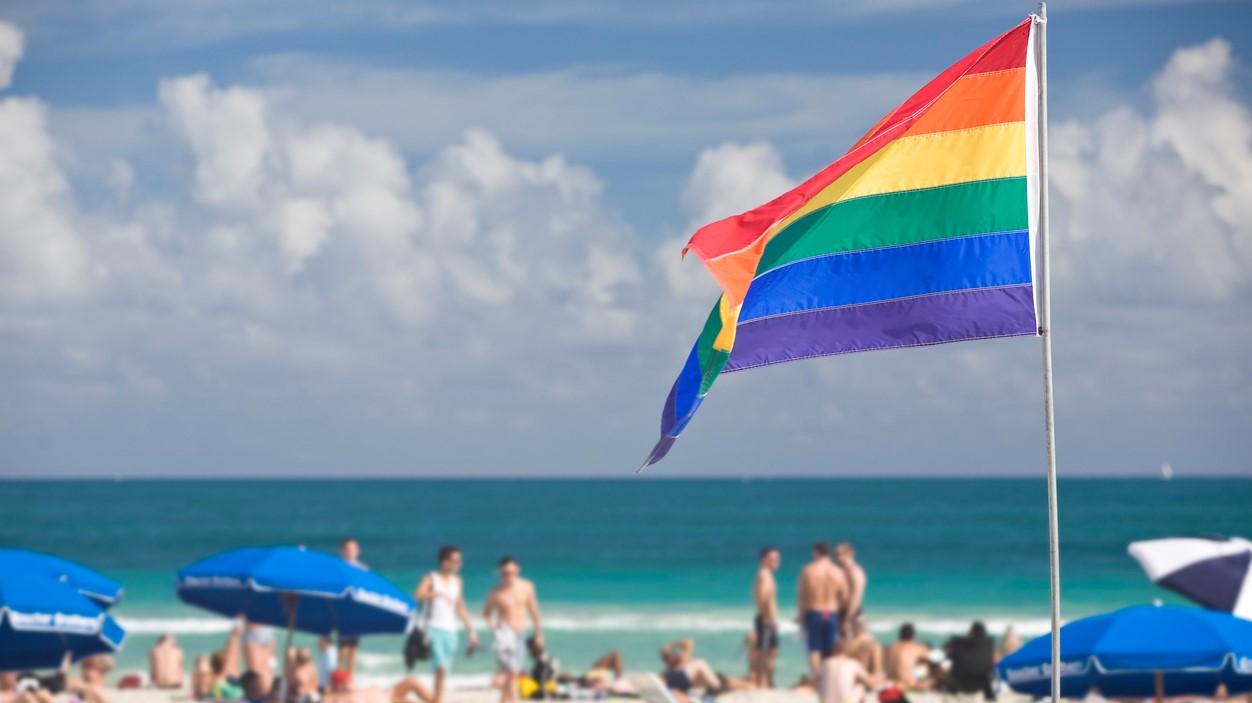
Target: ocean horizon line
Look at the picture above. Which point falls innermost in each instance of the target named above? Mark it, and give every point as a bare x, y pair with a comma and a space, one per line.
600, 477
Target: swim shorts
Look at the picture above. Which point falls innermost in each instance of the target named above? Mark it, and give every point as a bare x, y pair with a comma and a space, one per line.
442, 647
509, 648
766, 634
821, 629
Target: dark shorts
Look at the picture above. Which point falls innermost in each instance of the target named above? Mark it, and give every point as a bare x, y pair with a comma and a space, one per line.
766, 634
346, 641
820, 630
678, 680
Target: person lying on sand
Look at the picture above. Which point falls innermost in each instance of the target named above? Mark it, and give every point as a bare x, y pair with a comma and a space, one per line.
683, 672
604, 675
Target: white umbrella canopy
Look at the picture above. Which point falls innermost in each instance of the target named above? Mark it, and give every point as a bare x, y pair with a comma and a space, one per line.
1212, 571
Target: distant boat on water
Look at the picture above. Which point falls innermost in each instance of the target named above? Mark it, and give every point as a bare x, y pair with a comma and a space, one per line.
1167, 471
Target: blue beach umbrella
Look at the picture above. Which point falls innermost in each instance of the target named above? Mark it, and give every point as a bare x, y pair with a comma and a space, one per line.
1138, 652
296, 588
42, 619
96, 586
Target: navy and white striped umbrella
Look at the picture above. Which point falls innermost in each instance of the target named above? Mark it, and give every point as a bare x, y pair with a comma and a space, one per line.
1210, 571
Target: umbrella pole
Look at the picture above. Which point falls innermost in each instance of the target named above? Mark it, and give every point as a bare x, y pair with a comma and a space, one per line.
1160, 686
290, 602
1045, 332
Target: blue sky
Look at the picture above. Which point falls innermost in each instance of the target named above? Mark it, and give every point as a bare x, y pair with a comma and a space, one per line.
414, 239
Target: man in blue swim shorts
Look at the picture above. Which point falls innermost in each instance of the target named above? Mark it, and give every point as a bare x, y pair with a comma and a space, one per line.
823, 596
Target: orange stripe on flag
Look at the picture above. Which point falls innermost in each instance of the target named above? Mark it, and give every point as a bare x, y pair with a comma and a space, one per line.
976, 100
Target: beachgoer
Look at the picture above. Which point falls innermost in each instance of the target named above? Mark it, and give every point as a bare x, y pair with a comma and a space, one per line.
823, 594
327, 660
604, 674
973, 663
165, 661
342, 691
304, 677
8, 686
684, 672
259, 646
865, 648
349, 551
842, 679
96, 668
845, 558
28, 688
201, 678
443, 593
507, 608
1009, 643
224, 687
254, 689
400, 692
906, 662
765, 627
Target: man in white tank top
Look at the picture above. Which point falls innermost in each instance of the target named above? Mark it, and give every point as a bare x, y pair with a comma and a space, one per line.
444, 597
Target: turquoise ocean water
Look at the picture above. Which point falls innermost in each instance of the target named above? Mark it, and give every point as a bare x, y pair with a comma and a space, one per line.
628, 564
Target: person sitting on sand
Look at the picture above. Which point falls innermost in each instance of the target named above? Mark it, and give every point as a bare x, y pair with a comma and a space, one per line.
254, 690
8, 686
683, 672
1008, 644
223, 687
96, 668
842, 679
165, 661
906, 661
865, 648
973, 663
201, 678
304, 677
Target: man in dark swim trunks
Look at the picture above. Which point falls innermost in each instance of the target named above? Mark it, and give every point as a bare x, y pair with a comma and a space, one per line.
765, 593
823, 596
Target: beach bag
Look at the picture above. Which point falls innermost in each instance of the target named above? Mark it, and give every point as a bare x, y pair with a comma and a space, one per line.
416, 646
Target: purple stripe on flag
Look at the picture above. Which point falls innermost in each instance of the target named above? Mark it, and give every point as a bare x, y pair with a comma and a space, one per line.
906, 322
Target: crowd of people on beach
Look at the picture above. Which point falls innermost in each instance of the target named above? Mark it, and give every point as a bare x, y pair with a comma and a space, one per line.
845, 661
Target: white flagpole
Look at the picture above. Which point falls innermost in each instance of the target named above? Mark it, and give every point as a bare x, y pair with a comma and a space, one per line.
1045, 332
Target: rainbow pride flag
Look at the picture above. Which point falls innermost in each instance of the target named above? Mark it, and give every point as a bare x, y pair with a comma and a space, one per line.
925, 232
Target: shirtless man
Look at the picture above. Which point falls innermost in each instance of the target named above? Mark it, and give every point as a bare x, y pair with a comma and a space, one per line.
683, 672
507, 608
166, 663
258, 654
823, 595
903, 659
765, 594
845, 558
842, 679
349, 551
